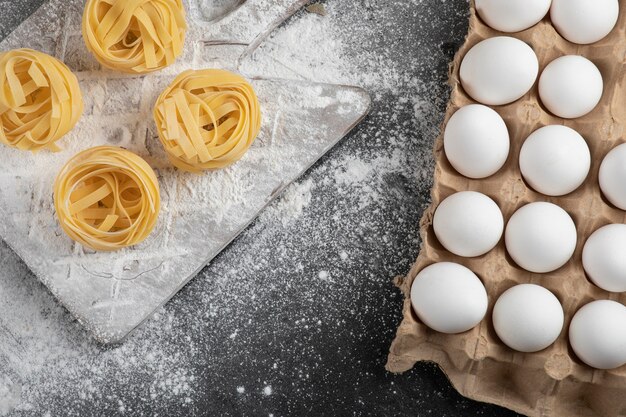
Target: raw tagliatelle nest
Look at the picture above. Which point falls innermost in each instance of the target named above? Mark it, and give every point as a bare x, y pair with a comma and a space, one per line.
207, 119
107, 198
40, 100
135, 36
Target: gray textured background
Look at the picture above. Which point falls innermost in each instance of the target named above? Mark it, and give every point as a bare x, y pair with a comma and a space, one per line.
254, 318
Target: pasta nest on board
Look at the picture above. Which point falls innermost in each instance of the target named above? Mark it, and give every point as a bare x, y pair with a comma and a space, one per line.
207, 119
135, 36
107, 198
40, 100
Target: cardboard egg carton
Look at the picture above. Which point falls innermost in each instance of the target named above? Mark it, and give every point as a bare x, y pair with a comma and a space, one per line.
552, 382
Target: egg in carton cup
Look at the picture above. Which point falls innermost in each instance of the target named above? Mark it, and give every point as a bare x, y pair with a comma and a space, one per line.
553, 381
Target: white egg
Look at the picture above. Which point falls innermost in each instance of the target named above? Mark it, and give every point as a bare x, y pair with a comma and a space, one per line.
512, 15
528, 318
604, 257
468, 223
555, 160
540, 237
448, 297
499, 70
584, 21
476, 141
612, 176
597, 334
570, 86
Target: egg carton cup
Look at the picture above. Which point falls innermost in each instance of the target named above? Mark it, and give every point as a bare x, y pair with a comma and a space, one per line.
552, 382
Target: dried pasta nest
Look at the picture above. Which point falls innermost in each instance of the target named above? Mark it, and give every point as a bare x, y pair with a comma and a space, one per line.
207, 119
107, 198
135, 36
40, 100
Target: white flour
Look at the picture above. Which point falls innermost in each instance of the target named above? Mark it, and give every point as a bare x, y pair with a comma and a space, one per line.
45, 355
310, 51
291, 204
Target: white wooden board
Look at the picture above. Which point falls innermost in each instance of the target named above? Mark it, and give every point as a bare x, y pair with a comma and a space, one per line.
112, 293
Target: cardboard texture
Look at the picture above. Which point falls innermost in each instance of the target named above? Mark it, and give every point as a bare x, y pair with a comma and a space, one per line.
553, 382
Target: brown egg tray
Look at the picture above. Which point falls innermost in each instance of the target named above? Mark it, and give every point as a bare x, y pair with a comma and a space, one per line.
552, 382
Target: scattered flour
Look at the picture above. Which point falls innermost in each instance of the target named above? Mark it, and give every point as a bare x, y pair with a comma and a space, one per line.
311, 50
292, 203
235, 324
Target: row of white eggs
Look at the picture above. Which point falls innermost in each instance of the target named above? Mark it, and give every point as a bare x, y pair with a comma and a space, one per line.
578, 21
450, 298
540, 237
554, 160
500, 70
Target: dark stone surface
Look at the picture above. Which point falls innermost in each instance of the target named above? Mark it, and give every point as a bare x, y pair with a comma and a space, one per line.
320, 348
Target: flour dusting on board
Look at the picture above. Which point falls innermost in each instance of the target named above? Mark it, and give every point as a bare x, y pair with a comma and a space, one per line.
111, 293
49, 365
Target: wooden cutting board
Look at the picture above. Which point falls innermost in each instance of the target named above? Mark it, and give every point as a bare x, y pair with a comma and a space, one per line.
112, 293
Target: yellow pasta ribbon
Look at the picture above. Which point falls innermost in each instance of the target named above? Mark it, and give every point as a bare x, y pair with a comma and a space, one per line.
207, 119
40, 100
135, 36
107, 198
